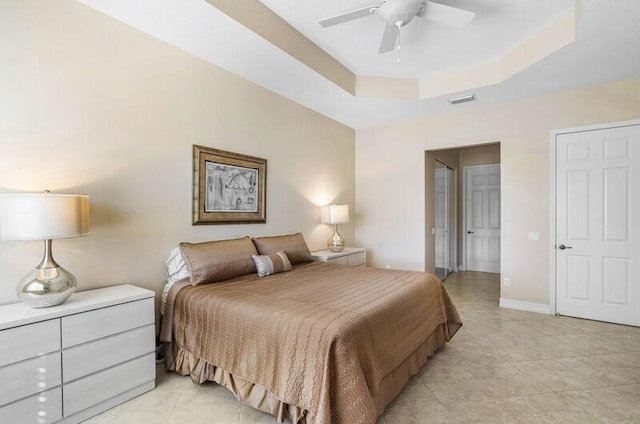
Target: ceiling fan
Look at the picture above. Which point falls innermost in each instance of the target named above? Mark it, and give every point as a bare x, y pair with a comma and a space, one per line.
398, 13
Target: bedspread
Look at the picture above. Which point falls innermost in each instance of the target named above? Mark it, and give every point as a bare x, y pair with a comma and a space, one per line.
321, 337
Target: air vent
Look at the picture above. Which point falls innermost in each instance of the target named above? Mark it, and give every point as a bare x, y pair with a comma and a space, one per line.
462, 99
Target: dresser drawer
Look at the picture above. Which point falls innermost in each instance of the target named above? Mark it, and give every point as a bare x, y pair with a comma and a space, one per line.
356, 259
91, 390
28, 341
90, 357
43, 408
88, 326
340, 260
353, 259
26, 378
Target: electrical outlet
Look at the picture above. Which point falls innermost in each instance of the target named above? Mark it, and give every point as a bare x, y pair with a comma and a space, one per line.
387, 267
534, 236
506, 281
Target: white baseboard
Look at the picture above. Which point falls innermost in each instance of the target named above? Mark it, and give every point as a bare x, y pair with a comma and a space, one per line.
540, 308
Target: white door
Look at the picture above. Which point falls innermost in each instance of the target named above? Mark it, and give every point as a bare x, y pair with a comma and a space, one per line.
442, 220
482, 218
597, 225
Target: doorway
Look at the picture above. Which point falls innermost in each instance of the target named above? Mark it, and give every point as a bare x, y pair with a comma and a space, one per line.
454, 161
444, 220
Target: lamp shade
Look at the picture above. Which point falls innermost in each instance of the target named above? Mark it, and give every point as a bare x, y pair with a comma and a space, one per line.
334, 214
43, 216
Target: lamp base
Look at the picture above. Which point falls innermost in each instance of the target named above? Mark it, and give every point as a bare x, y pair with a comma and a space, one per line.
46, 287
336, 242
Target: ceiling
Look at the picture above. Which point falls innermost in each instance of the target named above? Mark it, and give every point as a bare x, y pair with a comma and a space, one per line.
606, 48
426, 47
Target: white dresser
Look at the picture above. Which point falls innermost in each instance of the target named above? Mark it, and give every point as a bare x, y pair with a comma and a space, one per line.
352, 256
70, 362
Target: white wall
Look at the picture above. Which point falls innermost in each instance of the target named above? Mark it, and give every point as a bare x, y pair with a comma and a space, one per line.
390, 172
90, 105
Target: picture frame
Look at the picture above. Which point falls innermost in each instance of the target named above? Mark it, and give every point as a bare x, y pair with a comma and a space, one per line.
228, 188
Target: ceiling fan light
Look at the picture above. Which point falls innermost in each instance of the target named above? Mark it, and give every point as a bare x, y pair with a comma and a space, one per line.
462, 99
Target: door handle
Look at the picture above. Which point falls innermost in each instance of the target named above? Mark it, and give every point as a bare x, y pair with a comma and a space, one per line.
562, 247
469, 232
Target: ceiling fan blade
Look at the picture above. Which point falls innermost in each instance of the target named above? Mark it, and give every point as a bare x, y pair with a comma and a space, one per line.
447, 15
389, 38
349, 16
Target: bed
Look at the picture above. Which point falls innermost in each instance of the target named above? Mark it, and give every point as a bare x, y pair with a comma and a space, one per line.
319, 344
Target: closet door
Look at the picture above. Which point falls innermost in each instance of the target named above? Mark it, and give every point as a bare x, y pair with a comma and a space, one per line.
441, 221
597, 243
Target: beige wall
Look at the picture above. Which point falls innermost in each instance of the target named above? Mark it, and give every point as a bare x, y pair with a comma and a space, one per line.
90, 105
390, 170
480, 155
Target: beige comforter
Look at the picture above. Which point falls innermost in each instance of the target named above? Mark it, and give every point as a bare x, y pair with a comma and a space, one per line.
321, 337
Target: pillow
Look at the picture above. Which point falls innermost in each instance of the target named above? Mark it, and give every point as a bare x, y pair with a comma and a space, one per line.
271, 264
176, 266
218, 260
176, 270
293, 245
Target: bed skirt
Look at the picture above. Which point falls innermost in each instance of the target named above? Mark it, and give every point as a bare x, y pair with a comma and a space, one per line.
258, 397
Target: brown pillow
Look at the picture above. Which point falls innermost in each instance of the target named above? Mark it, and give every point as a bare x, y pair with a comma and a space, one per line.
293, 245
271, 264
218, 260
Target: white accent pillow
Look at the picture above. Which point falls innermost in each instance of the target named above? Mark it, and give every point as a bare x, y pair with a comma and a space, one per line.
271, 264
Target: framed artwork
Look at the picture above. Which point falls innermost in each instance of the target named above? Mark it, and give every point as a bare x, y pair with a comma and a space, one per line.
228, 188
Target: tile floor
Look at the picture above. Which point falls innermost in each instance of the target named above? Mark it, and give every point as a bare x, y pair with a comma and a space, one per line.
503, 366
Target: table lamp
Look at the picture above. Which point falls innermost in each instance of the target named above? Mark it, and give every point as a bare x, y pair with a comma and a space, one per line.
44, 216
335, 214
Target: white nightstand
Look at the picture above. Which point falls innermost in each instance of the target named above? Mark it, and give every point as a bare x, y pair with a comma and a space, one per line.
352, 256
70, 362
